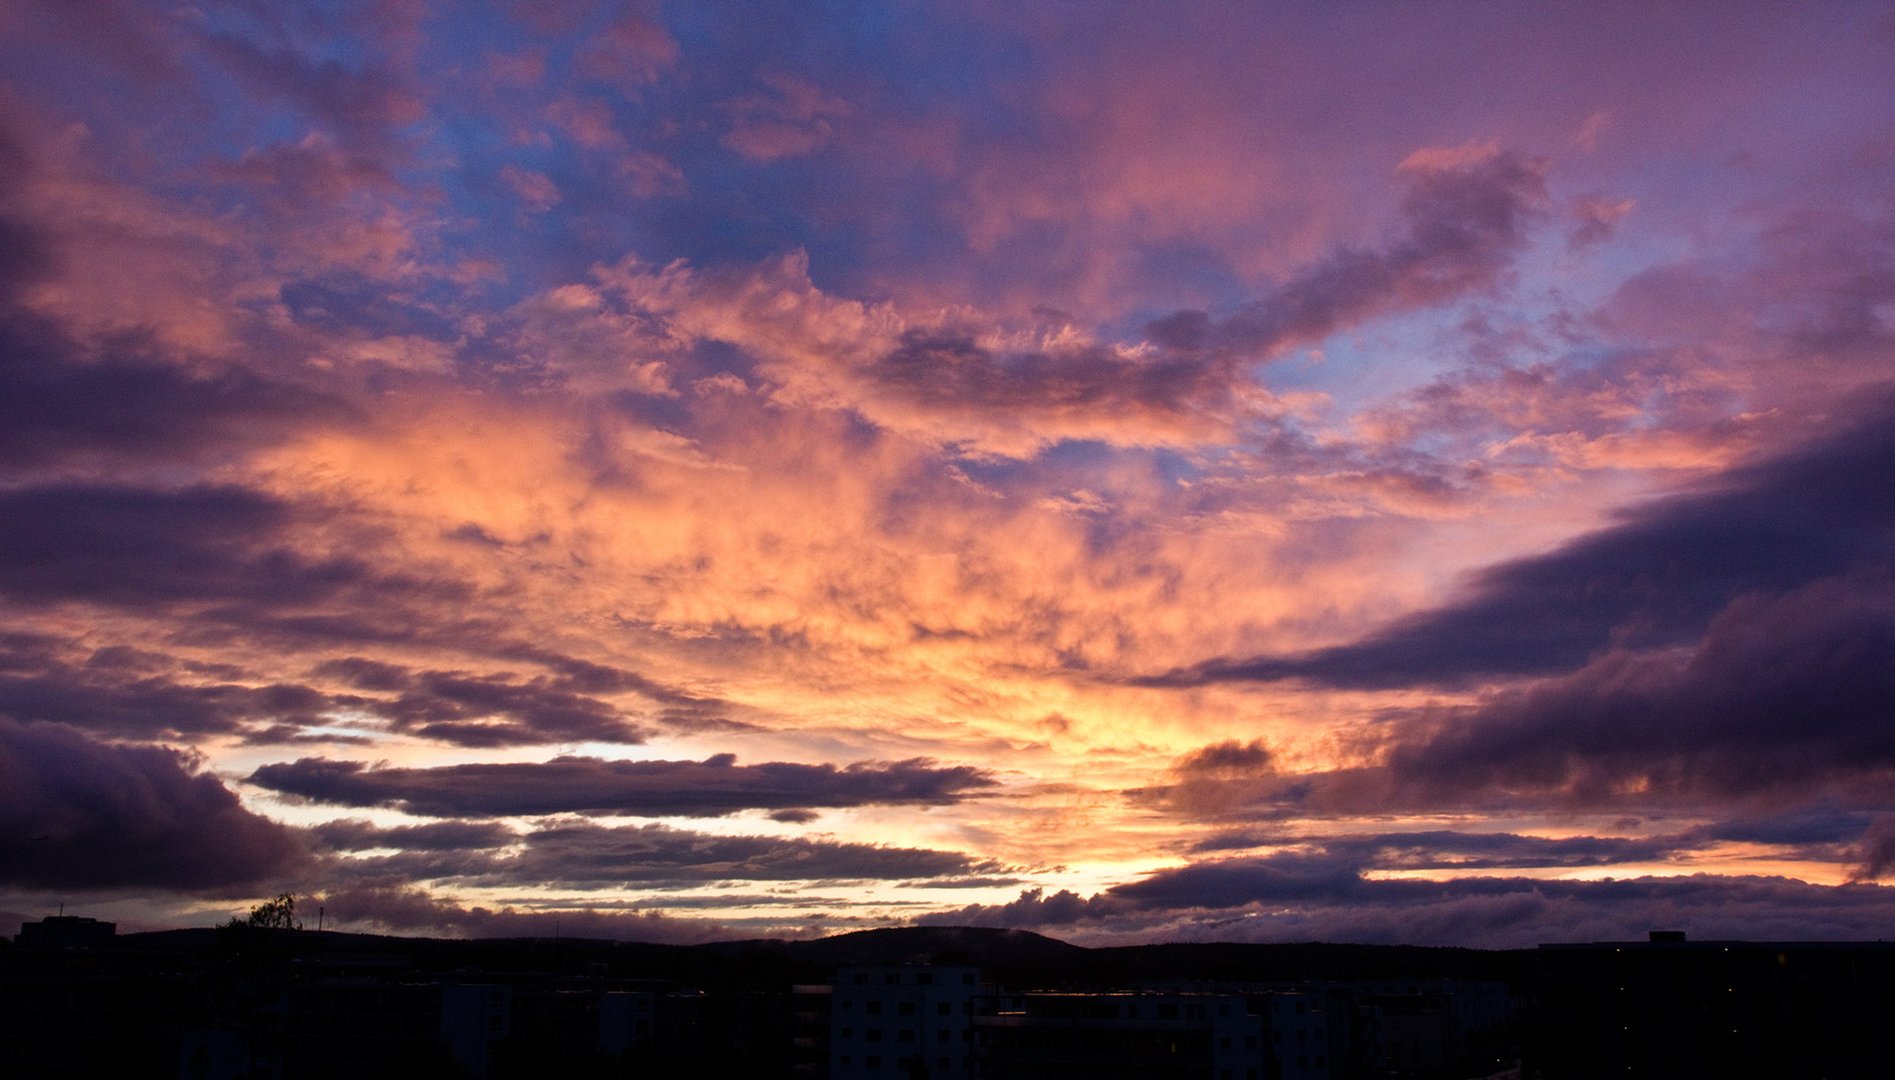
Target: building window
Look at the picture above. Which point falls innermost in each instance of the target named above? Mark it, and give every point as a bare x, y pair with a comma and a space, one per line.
906, 1008
943, 1008
875, 1008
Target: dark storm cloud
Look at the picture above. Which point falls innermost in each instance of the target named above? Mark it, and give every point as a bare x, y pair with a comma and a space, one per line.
1781, 695
1808, 825
132, 693
500, 708
121, 403
492, 710
1323, 897
398, 906
1656, 579
1876, 857
135, 547
708, 788
1781, 714
25, 251
128, 692
585, 856
1437, 849
585, 676
1235, 882
120, 400
1464, 220
75, 813
580, 855
355, 834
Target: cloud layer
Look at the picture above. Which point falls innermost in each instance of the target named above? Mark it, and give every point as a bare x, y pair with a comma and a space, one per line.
1214, 471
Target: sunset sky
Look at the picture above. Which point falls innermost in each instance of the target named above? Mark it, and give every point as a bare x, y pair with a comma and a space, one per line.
1130, 471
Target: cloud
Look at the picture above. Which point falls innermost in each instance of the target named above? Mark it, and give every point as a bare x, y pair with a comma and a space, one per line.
1655, 579
81, 814
1595, 219
63, 405
1228, 758
401, 908
629, 52
1464, 218
708, 788
124, 692
497, 708
1322, 898
794, 118
580, 855
136, 546
364, 106
1215, 779
1877, 853
1782, 698
1015, 393
1447, 849
494, 710
356, 834
1465, 215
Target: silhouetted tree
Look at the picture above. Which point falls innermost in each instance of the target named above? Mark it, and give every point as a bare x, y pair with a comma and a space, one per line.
277, 914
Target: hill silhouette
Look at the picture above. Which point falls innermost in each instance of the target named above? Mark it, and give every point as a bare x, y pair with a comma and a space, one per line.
1014, 957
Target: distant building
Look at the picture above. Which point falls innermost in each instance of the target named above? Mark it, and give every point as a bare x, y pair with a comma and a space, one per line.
1297, 1039
1729, 1009
1101, 1036
900, 1022
65, 932
811, 1006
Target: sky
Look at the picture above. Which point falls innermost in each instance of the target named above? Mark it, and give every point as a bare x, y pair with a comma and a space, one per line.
1133, 472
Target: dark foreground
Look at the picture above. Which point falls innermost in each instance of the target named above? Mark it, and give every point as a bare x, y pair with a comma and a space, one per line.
77, 1000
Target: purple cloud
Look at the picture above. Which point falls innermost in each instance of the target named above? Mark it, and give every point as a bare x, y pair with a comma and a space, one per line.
1657, 579
708, 788
77, 813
